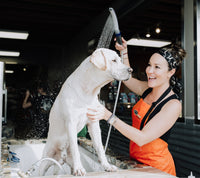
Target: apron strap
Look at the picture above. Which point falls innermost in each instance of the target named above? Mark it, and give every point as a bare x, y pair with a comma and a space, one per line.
146, 92
153, 105
159, 107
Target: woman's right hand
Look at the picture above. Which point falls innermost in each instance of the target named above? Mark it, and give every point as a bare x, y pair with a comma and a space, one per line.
122, 47
27, 93
98, 113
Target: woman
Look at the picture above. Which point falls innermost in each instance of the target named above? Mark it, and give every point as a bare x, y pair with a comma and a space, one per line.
155, 113
41, 103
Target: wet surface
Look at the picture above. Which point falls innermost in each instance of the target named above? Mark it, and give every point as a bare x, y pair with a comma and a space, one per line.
127, 168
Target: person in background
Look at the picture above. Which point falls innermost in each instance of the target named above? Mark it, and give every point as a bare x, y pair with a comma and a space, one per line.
155, 113
41, 103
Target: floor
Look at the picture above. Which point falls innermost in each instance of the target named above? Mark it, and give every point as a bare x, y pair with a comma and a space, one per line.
147, 172
136, 173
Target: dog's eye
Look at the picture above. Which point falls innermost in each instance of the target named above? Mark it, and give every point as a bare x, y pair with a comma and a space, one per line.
114, 60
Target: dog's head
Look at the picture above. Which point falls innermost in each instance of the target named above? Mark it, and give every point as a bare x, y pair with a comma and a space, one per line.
109, 61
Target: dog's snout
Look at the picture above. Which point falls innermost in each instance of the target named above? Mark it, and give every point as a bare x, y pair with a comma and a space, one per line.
130, 70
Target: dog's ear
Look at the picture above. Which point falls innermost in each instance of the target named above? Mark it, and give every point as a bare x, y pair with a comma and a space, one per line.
98, 59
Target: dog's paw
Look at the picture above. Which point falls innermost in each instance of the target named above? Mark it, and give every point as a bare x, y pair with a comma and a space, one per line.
110, 168
79, 172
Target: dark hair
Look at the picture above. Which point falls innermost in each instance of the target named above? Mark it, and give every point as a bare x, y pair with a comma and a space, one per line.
42, 85
174, 55
178, 54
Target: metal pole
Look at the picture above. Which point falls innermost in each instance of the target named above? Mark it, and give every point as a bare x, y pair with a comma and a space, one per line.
1, 106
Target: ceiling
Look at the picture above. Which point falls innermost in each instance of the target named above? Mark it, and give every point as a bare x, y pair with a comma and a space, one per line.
54, 22
165, 14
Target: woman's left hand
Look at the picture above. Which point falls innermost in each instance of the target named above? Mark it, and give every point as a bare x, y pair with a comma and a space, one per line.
122, 47
98, 113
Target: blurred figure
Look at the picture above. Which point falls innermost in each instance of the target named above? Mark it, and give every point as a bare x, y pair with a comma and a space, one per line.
41, 103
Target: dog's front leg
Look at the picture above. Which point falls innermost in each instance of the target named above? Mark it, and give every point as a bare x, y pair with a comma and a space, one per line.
78, 169
95, 134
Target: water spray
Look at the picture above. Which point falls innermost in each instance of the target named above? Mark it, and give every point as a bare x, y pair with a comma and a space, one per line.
119, 40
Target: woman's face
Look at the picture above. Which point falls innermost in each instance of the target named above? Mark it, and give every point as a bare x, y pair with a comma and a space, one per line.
40, 90
157, 71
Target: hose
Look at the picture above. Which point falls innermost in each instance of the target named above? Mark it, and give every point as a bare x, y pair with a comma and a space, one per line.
29, 172
119, 40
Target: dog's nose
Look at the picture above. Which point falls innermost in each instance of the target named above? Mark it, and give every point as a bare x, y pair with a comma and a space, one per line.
130, 70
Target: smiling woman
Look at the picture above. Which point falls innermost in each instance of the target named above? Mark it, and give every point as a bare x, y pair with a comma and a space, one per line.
158, 108
157, 71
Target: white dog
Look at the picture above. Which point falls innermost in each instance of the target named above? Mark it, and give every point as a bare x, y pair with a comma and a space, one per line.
68, 114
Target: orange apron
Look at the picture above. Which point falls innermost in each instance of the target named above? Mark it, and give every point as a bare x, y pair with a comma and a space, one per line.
155, 153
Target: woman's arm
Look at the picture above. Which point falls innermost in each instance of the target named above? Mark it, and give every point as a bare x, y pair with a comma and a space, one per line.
25, 103
133, 84
136, 86
154, 129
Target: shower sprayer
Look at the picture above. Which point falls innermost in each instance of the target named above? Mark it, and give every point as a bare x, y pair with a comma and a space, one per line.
116, 26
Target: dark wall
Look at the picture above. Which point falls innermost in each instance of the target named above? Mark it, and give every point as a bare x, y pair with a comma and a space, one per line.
76, 50
184, 143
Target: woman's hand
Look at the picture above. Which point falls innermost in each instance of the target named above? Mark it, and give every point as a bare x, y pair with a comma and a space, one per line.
27, 93
122, 47
98, 113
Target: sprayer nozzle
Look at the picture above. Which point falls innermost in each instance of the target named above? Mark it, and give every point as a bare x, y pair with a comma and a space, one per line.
110, 9
116, 27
